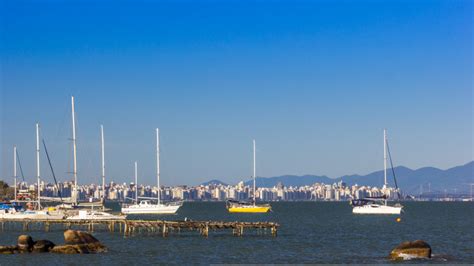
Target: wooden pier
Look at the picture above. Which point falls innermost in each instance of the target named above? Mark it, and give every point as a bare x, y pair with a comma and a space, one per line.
160, 227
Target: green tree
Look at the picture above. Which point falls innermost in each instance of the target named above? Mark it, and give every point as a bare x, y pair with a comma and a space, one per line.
6, 192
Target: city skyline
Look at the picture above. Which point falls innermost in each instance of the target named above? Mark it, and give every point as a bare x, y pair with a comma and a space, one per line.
240, 191
335, 191
456, 178
313, 83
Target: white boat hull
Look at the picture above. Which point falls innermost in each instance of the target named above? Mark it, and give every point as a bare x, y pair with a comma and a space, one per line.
150, 209
377, 209
31, 215
95, 215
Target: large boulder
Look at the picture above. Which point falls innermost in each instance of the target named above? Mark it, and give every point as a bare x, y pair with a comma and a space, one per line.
43, 246
80, 248
78, 242
8, 249
73, 237
66, 249
417, 249
25, 243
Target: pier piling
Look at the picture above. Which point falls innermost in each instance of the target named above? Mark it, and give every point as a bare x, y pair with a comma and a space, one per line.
130, 227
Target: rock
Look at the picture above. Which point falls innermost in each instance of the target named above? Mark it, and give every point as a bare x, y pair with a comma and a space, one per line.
8, 249
25, 243
79, 242
80, 248
66, 249
78, 237
418, 249
43, 246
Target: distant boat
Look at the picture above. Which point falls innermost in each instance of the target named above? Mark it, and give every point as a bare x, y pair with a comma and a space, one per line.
146, 206
86, 214
377, 205
248, 206
32, 213
96, 215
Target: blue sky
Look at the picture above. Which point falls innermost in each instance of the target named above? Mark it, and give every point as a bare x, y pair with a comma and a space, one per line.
314, 82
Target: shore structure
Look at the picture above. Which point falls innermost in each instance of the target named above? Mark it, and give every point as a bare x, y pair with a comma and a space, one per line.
132, 227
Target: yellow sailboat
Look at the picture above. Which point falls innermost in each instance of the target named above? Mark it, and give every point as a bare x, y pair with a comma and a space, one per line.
246, 207
249, 207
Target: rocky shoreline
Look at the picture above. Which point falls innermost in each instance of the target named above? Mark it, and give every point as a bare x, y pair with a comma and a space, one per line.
76, 242
79, 242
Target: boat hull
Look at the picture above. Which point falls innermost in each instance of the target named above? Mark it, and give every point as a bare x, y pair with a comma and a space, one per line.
249, 209
95, 215
377, 209
40, 215
157, 209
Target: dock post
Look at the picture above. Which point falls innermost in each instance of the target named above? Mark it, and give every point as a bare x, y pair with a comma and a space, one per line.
206, 230
113, 227
274, 231
165, 233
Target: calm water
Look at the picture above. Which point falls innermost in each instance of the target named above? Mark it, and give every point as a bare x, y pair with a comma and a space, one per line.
310, 232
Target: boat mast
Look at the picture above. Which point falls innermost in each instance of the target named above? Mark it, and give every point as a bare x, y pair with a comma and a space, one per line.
38, 166
136, 183
74, 172
14, 169
385, 162
103, 164
384, 158
158, 164
254, 173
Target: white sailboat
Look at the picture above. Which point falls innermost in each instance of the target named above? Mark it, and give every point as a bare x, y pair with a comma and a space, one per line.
146, 206
31, 213
88, 214
72, 201
95, 215
15, 177
7, 208
377, 205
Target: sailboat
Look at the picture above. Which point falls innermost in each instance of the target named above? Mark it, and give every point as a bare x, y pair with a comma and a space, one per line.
147, 206
32, 213
87, 214
378, 205
10, 207
249, 207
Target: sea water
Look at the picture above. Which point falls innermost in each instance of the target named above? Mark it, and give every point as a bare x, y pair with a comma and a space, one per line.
310, 232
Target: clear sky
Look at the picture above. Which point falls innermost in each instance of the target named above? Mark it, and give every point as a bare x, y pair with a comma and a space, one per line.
314, 82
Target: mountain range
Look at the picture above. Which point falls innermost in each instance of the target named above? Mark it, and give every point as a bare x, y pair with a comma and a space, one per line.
426, 179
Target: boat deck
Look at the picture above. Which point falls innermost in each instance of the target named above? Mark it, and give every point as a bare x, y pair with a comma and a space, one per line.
131, 227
